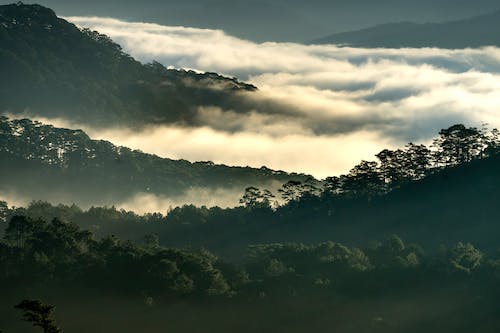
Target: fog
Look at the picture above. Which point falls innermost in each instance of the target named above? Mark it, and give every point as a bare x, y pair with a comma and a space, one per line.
337, 104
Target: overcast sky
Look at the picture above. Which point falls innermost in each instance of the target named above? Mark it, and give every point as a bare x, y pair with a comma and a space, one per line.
275, 20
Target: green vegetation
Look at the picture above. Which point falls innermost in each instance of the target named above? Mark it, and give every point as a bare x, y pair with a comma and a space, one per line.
58, 70
37, 156
441, 272
46, 259
39, 314
406, 243
428, 195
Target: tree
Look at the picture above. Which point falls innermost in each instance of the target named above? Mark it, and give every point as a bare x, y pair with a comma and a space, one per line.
465, 257
254, 197
39, 314
4, 211
19, 230
151, 241
392, 167
458, 144
363, 180
294, 190
493, 143
332, 186
291, 190
417, 161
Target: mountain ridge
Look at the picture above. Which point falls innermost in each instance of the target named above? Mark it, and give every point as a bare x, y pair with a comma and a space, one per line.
36, 157
58, 70
479, 31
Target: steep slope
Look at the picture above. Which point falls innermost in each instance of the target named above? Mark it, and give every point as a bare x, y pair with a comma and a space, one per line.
58, 70
474, 32
44, 162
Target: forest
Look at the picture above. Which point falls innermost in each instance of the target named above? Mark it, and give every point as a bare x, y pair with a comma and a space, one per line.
308, 248
36, 156
406, 242
59, 70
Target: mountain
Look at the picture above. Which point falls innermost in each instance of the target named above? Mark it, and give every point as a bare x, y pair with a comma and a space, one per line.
58, 70
440, 201
474, 32
275, 20
44, 162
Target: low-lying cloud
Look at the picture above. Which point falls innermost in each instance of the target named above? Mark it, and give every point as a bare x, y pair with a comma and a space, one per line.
140, 202
320, 108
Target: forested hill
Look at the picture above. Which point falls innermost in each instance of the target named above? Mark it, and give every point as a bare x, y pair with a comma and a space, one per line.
434, 195
44, 162
474, 32
57, 70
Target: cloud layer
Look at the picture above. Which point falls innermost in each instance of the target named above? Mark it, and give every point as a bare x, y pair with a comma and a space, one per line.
319, 109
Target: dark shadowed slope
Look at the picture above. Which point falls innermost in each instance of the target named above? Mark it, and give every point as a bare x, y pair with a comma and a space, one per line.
55, 69
44, 162
474, 32
442, 205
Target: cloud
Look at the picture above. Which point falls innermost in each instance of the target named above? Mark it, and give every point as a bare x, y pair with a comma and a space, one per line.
319, 108
142, 203
292, 152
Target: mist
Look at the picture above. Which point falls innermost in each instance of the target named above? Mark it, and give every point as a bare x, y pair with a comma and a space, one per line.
343, 104
139, 203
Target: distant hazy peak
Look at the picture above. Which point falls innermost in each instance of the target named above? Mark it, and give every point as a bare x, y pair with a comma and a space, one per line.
477, 31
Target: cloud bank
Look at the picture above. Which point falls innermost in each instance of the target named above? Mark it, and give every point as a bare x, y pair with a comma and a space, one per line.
319, 109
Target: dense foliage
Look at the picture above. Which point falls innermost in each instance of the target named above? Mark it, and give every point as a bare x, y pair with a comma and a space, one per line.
44, 258
429, 195
55, 69
37, 156
406, 243
440, 198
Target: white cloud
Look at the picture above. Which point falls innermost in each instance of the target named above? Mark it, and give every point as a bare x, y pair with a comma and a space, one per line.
319, 109
292, 152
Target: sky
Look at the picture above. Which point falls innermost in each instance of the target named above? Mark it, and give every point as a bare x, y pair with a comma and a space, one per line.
275, 20
319, 109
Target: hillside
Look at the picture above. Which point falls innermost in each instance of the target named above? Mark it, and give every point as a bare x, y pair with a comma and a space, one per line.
58, 70
43, 162
430, 197
474, 32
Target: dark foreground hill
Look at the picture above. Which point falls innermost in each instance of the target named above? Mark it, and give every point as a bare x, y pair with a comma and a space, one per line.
474, 32
387, 284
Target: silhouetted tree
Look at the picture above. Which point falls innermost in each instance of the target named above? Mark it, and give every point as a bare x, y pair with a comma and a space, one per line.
39, 314
363, 180
392, 167
458, 144
417, 161
254, 197
291, 190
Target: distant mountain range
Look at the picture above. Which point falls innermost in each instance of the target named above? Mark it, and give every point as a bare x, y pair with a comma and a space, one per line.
474, 32
275, 20
44, 162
